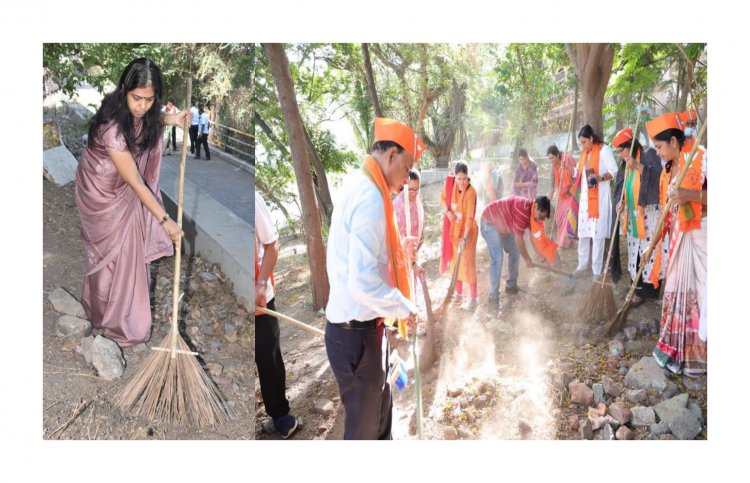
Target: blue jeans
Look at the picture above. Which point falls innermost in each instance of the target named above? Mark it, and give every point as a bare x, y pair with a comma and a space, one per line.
497, 245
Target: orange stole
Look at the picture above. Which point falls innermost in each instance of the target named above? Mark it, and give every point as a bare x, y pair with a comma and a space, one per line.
396, 258
547, 247
593, 163
693, 180
466, 204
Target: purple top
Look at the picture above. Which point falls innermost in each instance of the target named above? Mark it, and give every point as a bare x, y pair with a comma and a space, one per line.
528, 175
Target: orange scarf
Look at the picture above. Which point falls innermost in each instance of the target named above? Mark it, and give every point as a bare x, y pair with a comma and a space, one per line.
396, 258
257, 272
547, 247
640, 220
593, 163
693, 180
462, 206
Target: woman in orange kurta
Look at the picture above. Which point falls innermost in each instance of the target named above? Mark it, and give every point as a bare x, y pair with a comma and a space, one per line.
464, 231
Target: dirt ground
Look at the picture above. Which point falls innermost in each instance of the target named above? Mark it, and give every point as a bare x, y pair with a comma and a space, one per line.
496, 375
77, 402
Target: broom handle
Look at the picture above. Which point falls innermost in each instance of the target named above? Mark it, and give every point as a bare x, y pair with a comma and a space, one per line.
308, 328
622, 195
550, 269
663, 216
454, 278
178, 244
409, 276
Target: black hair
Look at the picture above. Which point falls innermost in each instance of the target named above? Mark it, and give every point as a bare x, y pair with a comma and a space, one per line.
461, 167
522, 153
171, 99
383, 146
588, 132
413, 175
141, 72
543, 204
637, 147
669, 133
553, 151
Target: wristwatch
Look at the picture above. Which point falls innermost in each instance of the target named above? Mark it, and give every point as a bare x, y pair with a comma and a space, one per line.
164, 218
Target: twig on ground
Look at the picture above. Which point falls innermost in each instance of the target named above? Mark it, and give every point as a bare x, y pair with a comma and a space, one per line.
78, 410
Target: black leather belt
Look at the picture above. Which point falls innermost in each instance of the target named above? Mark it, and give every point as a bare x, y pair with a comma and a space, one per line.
361, 325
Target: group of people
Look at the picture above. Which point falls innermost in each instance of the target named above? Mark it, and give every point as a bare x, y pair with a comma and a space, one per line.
198, 131
372, 257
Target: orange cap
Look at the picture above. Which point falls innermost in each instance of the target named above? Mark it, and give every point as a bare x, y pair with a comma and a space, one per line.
689, 116
670, 120
398, 132
622, 137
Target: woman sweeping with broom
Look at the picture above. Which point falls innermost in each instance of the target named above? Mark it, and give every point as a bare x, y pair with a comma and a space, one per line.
682, 345
639, 176
124, 225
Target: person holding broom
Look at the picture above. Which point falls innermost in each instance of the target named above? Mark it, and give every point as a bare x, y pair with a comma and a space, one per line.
563, 165
596, 168
124, 225
271, 370
503, 225
639, 176
464, 233
682, 346
367, 270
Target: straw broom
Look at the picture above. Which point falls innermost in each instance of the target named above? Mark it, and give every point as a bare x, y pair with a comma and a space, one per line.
599, 303
171, 384
617, 322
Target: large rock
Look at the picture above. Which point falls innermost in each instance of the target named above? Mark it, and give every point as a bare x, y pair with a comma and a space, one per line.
684, 424
562, 380
610, 387
68, 325
666, 410
84, 348
636, 396
630, 332
620, 412
59, 165
642, 416
607, 433
624, 433
646, 374
107, 358
659, 428
580, 393
648, 326
696, 409
66, 304
616, 348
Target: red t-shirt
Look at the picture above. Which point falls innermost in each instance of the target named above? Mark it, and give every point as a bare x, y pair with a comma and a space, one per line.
509, 215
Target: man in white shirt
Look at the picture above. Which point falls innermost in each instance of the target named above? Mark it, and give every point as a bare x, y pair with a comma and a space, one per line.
271, 370
367, 273
193, 131
202, 135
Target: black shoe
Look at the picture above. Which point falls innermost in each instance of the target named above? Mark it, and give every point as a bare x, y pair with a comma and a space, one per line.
511, 290
197, 156
208, 159
286, 425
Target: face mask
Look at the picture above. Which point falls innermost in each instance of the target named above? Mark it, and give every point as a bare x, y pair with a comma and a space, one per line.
689, 132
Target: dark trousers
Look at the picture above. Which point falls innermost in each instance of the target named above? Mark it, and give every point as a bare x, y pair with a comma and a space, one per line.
643, 288
193, 132
271, 371
174, 138
202, 140
359, 360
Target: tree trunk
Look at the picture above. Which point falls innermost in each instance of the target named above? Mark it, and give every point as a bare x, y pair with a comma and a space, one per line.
593, 64
574, 127
370, 77
320, 180
316, 256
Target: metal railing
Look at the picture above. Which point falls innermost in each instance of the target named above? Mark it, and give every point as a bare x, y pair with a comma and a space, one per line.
235, 140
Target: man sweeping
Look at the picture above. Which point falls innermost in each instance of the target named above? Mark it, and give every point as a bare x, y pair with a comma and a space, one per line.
503, 225
367, 270
271, 370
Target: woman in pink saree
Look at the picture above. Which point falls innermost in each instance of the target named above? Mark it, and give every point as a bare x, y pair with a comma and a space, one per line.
416, 211
563, 165
124, 225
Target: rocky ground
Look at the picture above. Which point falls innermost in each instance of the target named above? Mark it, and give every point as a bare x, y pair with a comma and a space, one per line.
81, 367
532, 371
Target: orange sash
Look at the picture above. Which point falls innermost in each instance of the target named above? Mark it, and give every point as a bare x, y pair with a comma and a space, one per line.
396, 259
257, 271
693, 180
593, 163
640, 220
547, 247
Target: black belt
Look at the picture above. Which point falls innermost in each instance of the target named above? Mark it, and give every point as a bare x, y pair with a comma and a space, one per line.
360, 325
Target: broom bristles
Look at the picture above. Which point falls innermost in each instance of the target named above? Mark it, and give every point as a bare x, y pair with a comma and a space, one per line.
616, 322
174, 389
599, 303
